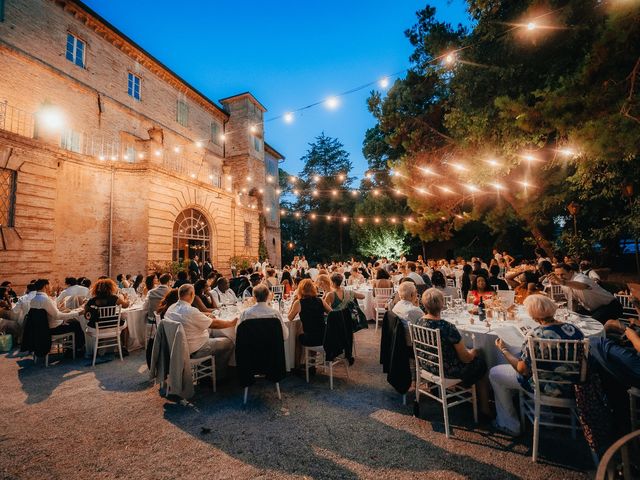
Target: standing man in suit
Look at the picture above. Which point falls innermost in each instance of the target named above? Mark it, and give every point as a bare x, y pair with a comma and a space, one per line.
193, 266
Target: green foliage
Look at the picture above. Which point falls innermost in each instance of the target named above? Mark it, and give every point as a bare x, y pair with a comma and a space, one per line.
575, 245
521, 91
379, 242
242, 262
167, 267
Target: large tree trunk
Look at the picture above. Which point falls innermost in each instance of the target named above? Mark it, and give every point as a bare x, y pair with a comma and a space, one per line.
540, 239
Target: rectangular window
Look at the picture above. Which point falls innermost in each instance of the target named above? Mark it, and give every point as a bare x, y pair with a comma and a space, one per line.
1, 10
215, 133
247, 234
130, 155
75, 50
7, 197
182, 113
133, 86
257, 143
70, 141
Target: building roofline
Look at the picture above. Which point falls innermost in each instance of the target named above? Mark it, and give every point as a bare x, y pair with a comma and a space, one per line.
89, 11
244, 94
273, 151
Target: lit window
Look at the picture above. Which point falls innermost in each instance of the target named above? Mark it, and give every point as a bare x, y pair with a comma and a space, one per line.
7, 197
215, 133
133, 86
182, 113
70, 140
247, 234
130, 154
75, 50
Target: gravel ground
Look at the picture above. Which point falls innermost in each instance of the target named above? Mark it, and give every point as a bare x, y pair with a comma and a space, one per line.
73, 421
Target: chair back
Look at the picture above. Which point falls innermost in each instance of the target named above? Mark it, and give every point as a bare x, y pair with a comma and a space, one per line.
451, 282
627, 308
621, 460
108, 318
555, 292
278, 291
382, 296
507, 297
557, 365
427, 348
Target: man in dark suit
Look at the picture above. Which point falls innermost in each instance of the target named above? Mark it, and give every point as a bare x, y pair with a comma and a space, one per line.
207, 268
193, 266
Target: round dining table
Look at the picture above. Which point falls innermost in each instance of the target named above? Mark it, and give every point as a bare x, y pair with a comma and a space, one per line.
482, 335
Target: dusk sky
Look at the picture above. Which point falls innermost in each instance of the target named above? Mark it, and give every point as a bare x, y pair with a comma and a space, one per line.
287, 53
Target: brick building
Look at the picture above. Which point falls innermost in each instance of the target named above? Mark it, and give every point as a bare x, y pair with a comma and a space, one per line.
110, 162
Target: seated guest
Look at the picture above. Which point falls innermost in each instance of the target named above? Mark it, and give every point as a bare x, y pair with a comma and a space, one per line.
425, 278
465, 281
150, 282
196, 328
494, 280
338, 297
169, 299
254, 279
480, 289
72, 289
182, 279
620, 360
59, 322
407, 308
311, 309
287, 283
410, 272
271, 279
8, 285
313, 272
8, 323
590, 297
383, 279
507, 379
323, 283
439, 282
356, 278
457, 359
156, 294
122, 283
138, 283
201, 299
105, 294
261, 309
478, 269
222, 294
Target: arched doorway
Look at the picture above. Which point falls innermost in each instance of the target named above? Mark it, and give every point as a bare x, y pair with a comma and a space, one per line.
191, 236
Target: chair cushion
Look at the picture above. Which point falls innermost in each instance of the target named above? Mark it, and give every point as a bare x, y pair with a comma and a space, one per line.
430, 377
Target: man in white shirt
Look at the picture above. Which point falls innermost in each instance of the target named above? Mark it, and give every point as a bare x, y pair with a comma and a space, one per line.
59, 322
222, 294
262, 310
407, 308
585, 269
313, 273
595, 300
196, 328
72, 290
303, 263
413, 275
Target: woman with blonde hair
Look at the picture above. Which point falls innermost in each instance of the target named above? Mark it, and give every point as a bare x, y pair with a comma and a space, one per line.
323, 283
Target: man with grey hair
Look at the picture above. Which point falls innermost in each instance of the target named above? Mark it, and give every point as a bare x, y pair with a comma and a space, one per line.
262, 309
407, 307
196, 328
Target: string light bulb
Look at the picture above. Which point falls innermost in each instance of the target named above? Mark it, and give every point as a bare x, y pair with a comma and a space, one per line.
316, 178
176, 149
450, 58
223, 137
332, 103
384, 82
345, 219
341, 177
288, 117
531, 26
158, 153
199, 144
283, 212
313, 216
334, 192
354, 193
292, 179
314, 193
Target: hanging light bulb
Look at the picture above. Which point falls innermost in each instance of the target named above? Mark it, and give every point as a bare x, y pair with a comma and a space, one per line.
288, 117
531, 26
199, 144
334, 192
312, 216
345, 219
384, 82
316, 178
314, 193
332, 103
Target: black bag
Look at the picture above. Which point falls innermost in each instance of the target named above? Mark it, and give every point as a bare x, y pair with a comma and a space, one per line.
358, 318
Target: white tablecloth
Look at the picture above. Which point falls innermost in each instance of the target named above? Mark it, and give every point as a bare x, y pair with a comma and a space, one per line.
369, 304
478, 335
